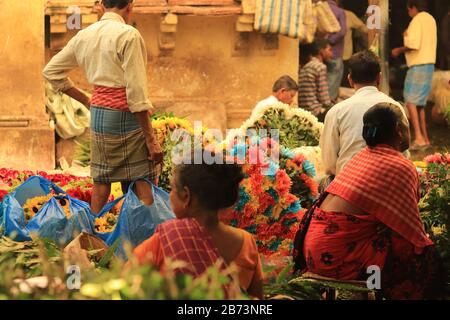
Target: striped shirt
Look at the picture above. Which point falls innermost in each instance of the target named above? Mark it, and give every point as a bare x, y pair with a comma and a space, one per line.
313, 86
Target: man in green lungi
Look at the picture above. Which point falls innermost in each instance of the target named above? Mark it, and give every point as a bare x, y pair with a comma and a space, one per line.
114, 59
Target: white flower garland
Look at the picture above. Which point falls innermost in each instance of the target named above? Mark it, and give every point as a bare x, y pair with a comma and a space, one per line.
314, 155
289, 113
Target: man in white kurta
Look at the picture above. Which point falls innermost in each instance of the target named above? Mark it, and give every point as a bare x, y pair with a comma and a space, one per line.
342, 135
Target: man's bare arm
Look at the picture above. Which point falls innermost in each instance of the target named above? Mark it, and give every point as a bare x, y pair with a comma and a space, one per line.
78, 95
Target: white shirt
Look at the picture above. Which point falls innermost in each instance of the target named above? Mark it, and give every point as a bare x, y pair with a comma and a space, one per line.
112, 54
342, 134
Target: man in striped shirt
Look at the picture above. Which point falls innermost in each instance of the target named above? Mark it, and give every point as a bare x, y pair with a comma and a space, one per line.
313, 92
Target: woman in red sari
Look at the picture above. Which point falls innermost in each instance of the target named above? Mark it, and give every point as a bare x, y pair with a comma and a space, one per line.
369, 216
197, 237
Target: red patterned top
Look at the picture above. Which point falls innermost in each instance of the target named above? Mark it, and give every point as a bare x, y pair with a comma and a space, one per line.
383, 183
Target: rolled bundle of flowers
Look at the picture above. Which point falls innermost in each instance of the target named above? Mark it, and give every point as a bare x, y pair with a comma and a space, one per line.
171, 131
296, 127
266, 207
301, 172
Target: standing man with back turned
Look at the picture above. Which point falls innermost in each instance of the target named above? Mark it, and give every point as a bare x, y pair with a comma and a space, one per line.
114, 59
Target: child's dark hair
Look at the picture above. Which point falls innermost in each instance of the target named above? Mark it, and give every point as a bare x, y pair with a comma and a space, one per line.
216, 186
380, 123
364, 67
119, 4
285, 82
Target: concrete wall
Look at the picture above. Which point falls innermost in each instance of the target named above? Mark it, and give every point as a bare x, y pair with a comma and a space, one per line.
205, 78
26, 139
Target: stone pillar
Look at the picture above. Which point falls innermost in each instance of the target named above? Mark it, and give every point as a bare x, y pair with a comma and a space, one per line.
382, 36
27, 141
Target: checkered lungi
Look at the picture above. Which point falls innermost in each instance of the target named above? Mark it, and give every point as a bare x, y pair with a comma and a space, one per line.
418, 84
118, 149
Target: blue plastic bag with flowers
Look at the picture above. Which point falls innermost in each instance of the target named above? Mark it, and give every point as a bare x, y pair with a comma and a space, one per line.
129, 219
39, 207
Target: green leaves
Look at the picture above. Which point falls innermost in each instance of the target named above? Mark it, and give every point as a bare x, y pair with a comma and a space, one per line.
294, 132
106, 259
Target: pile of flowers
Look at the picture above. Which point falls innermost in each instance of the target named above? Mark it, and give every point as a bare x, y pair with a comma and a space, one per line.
107, 223
435, 204
33, 205
14, 178
438, 158
297, 127
77, 187
3, 193
267, 208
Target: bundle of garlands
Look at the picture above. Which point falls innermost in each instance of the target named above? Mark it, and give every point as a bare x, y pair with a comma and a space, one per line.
296, 127
267, 207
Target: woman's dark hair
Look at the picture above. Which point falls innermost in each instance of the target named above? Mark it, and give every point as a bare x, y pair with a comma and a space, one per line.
311, 49
119, 4
364, 67
216, 186
380, 123
421, 5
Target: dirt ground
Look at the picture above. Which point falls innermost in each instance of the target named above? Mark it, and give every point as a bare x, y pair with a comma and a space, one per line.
439, 137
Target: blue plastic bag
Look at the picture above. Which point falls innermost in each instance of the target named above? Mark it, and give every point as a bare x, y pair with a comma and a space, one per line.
136, 222
50, 221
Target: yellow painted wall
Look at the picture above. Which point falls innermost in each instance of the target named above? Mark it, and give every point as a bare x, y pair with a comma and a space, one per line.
22, 87
203, 78
22, 58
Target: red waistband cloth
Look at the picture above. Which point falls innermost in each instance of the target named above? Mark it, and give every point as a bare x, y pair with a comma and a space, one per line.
383, 183
113, 98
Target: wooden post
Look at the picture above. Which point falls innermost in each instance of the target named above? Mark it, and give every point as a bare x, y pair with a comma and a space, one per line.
382, 36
